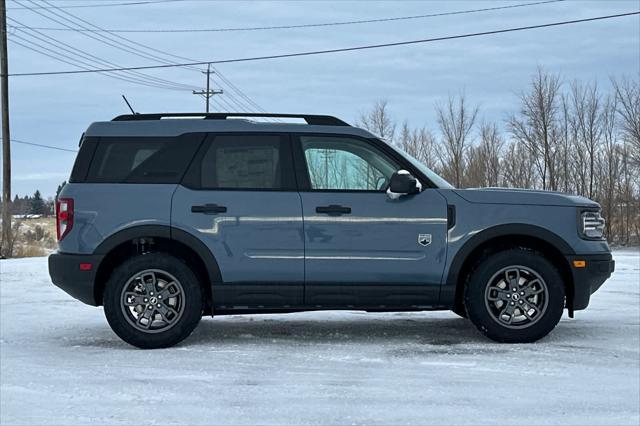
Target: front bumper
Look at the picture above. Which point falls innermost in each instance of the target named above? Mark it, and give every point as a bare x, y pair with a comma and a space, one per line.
66, 273
588, 279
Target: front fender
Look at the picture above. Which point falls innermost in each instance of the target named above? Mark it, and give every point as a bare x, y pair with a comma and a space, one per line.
452, 273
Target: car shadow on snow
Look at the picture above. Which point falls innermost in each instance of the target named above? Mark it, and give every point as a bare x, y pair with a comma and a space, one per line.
410, 334
354, 328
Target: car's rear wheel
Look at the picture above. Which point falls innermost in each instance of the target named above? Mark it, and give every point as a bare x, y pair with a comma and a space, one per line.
153, 300
515, 296
460, 311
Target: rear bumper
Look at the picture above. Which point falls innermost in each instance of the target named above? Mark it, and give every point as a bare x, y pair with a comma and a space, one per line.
65, 272
588, 280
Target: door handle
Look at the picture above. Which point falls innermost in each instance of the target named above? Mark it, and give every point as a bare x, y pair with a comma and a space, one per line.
209, 209
333, 209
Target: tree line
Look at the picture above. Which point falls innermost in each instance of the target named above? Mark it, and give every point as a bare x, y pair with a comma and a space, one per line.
32, 205
27, 239
567, 136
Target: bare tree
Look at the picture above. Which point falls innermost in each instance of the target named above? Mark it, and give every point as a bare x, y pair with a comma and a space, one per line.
587, 116
491, 144
516, 167
378, 121
419, 143
456, 120
627, 95
483, 161
609, 165
9, 245
627, 210
536, 125
628, 101
565, 153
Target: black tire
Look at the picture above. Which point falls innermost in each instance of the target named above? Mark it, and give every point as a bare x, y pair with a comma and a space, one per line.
460, 311
511, 266
121, 319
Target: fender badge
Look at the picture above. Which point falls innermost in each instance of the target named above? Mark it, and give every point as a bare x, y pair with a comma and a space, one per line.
424, 239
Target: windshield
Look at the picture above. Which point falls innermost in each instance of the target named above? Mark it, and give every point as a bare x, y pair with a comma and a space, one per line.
430, 174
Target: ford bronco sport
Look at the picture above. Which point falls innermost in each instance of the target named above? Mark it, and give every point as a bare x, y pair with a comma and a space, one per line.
165, 220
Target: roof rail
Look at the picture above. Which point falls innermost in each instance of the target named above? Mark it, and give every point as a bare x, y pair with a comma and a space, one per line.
318, 120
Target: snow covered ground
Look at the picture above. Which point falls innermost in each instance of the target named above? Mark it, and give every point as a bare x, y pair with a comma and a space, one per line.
61, 364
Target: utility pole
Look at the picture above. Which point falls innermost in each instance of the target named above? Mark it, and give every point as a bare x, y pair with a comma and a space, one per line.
6, 139
207, 93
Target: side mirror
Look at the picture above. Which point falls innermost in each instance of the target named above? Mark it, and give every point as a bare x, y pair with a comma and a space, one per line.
403, 183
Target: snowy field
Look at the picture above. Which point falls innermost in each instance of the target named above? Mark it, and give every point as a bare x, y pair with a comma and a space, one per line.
61, 364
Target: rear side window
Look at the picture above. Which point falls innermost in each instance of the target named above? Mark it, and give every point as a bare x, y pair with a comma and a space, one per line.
244, 161
83, 160
142, 160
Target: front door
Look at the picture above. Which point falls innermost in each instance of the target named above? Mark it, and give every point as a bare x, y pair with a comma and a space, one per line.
239, 197
362, 248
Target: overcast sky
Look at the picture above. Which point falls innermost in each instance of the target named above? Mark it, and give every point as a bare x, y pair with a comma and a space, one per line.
55, 110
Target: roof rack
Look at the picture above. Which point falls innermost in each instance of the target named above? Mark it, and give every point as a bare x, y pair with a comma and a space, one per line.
317, 120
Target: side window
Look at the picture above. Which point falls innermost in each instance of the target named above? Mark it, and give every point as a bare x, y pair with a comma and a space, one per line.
338, 163
81, 166
142, 160
249, 161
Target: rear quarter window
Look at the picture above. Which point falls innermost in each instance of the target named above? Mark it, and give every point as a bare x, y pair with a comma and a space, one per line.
83, 159
143, 159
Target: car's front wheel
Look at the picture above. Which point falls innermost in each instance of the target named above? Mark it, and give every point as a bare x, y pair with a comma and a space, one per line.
153, 300
515, 296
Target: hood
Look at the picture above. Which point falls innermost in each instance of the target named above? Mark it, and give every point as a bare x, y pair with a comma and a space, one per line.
523, 197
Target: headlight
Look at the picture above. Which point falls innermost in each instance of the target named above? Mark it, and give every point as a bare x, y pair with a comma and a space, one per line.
592, 227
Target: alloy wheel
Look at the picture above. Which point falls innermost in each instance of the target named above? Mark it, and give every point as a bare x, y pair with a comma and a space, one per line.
516, 297
152, 301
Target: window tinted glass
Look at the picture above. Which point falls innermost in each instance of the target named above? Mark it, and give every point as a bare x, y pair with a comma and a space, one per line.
142, 160
346, 164
245, 162
83, 160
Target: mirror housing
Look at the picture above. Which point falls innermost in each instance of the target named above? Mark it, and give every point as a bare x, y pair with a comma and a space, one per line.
403, 183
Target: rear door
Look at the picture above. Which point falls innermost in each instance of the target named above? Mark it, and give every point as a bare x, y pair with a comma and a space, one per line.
362, 248
239, 197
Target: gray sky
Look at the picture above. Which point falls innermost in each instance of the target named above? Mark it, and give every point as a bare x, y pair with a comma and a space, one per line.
55, 110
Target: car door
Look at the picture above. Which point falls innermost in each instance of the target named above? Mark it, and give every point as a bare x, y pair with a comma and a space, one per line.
362, 248
239, 197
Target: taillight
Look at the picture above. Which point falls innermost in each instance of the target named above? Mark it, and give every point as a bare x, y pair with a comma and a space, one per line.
64, 217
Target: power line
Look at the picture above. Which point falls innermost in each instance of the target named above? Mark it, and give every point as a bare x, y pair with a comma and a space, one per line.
241, 104
73, 60
98, 37
115, 40
38, 48
338, 50
237, 90
42, 145
131, 3
89, 59
313, 25
88, 62
149, 79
